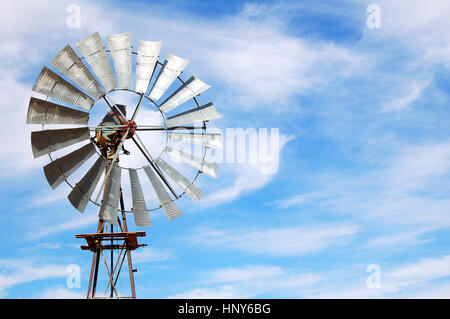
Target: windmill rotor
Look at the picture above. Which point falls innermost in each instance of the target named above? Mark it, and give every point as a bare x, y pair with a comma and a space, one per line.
74, 85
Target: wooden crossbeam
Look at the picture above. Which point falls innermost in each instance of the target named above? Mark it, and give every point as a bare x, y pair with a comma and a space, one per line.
108, 247
94, 240
109, 235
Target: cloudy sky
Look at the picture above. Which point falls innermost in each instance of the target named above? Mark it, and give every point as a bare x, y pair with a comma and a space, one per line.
362, 186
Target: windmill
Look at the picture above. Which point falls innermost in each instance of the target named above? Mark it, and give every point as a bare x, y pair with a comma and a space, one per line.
72, 86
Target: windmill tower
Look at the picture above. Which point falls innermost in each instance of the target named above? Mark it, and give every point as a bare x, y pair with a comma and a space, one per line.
72, 86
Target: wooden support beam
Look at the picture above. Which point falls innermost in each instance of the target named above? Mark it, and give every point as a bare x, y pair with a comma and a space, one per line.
108, 247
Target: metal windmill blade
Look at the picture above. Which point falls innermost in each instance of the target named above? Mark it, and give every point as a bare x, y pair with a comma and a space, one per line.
45, 142
141, 216
206, 112
45, 112
147, 56
108, 211
82, 192
192, 87
189, 188
171, 68
120, 46
57, 171
209, 169
168, 205
210, 140
69, 64
93, 51
51, 84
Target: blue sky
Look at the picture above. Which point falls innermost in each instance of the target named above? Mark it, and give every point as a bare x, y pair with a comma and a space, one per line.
364, 157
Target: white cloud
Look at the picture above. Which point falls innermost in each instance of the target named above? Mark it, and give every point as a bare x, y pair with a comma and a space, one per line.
415, 273
262, 65
61, 293
19, 271
150, 254
300, 199
289, 241
224, 292
407, 238
73, 223
418, 167
423, 27
438, 291
408, 191
248, 177
425, 278
244, 273
250, 281
16, 155
414, 92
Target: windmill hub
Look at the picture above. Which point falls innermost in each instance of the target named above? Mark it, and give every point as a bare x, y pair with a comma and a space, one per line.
131, 126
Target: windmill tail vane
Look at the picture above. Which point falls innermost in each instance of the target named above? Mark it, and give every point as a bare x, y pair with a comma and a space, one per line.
73, 83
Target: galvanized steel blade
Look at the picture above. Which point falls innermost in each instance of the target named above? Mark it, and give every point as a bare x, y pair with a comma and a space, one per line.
141, 216
189, 188
93, 51
70, 64
47, 141
58, 170
204, 113
192, 87
209, 169
213, 140
147, 55
120, 48
51, 84
83, 190
146, 153
172, 67
111, 196
45, 112
169, 207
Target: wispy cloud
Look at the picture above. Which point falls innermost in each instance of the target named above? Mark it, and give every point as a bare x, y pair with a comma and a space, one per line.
401, 103
425, 28
61, 293
415, 273
254, 272
407, 191
301, 199
247, 178
289, 241
402, 239
19, 271
150, 254
73, 223
249, 281
224, 292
